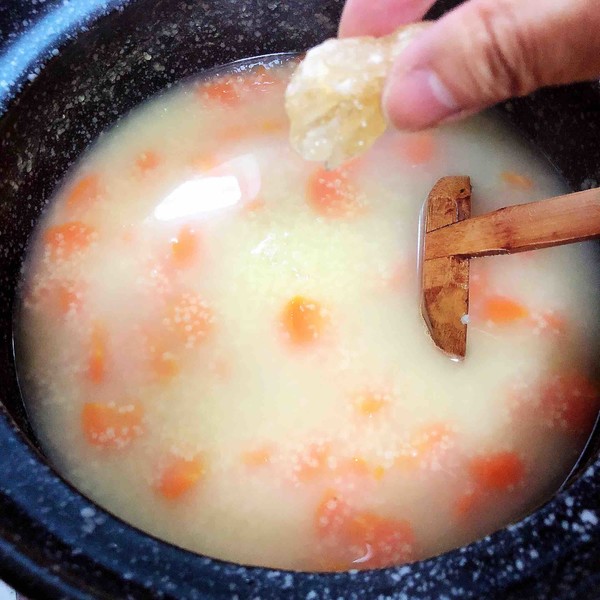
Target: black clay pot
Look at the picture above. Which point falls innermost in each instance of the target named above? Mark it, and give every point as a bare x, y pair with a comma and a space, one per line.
67, 72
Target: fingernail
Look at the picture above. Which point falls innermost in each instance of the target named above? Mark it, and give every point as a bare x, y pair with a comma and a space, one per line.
417, 99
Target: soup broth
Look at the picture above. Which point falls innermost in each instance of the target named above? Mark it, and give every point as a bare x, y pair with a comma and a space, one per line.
221, 343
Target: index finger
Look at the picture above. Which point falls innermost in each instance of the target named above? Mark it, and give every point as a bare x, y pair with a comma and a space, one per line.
366, 17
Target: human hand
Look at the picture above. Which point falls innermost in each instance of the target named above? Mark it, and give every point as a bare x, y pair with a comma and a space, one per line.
481, 53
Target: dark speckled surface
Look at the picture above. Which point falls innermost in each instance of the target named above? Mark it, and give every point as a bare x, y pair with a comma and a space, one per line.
56, 543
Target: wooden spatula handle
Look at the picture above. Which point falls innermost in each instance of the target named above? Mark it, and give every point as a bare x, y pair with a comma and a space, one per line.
560, 220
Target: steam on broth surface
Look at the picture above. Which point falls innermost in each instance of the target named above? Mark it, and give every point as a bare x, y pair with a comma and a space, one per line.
221, 343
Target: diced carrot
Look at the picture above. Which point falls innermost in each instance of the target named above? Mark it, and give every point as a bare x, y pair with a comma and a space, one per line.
332, 514
96, 369
467, 504
517, 180
180, 476
163, 364
258, 457
147, 161
235, 132
62, 241
261, 79
498, 472
84, 192
203, 162
331, 193
312, 462
185, 247
379, 542
419, 148
272, 126
254, 205
190, 318
58, 297
303, 320
550, 321
111, 426
358, 466
571, 402
361, 539
502, 310
379, 472
222, 90
369, 404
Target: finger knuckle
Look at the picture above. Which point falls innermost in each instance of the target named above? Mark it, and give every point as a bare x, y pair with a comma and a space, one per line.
504, 66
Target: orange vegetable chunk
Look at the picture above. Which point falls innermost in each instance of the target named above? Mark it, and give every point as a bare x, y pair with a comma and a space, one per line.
303, 320
497, 472
369, 404
163, 364
83, 192
419, 148
97, 357
111, 426
361, 539
65, 240
259, 457
571, 401
222, 90
331, 193
147, 161
517, 180
379, 542
502, 310
185, 247
180, 476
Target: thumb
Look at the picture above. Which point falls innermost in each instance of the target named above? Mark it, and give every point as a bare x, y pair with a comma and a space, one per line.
486, 51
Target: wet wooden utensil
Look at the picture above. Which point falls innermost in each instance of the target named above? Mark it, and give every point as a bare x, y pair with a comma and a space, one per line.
451, 238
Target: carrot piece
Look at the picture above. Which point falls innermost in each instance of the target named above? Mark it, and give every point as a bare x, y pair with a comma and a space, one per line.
498, 472
369, 404
379, 542
147, 161
331, 515
163, 364
467, 504
551, 321
303, 320
379, 472
361, 539
58, 297
96, 369
111, 426
331, 193
221, 90
180, 476
185, 247
313, 462
571, 402
203, 162
83, 192
261, 79
62, 241
502, 310
259, 457
190, 318
419, 148
517, 180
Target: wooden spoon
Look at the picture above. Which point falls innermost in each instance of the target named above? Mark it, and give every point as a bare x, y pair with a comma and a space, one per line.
451, 238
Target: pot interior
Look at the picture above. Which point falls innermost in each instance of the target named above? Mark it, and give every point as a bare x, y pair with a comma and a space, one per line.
129, 55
